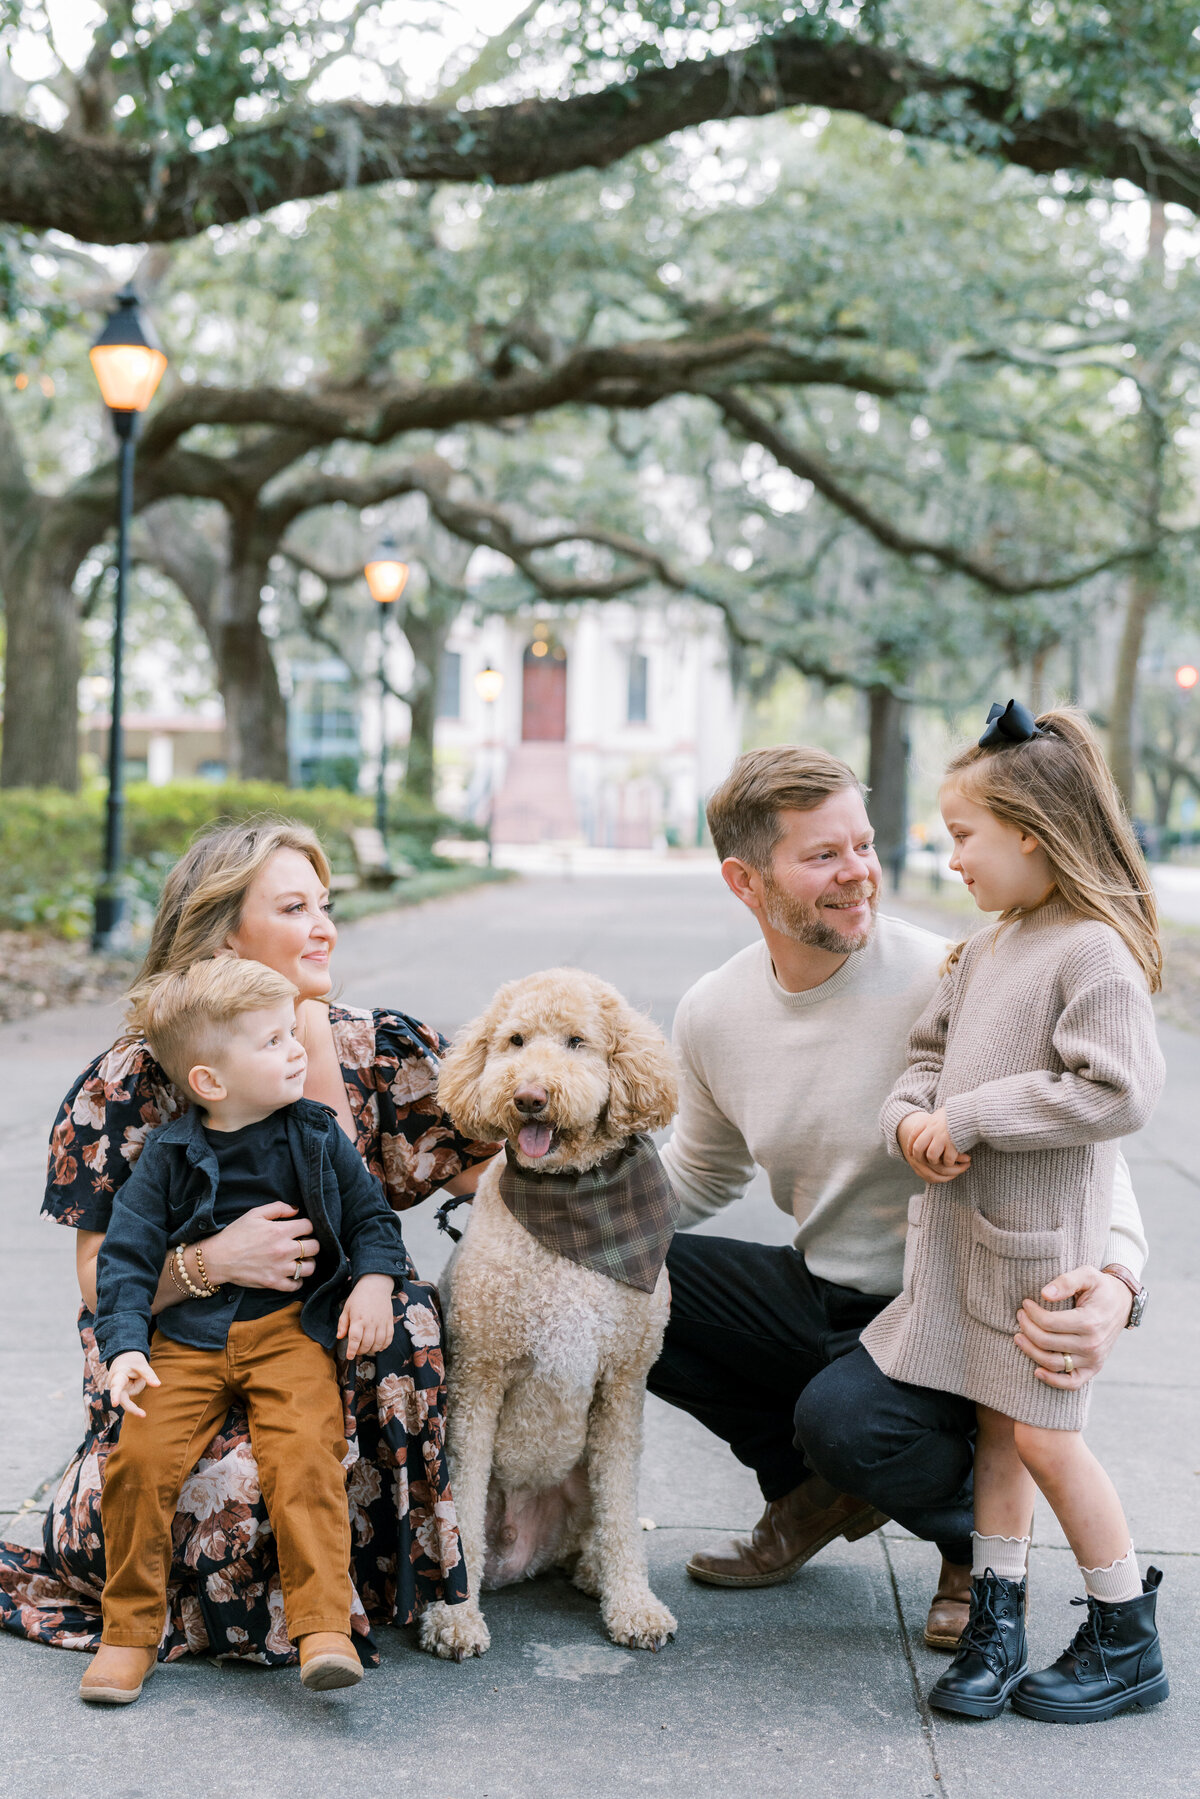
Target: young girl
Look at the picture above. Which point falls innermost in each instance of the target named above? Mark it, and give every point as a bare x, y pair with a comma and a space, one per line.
1036, 1054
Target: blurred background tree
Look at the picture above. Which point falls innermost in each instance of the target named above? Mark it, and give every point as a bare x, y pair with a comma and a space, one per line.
899, 382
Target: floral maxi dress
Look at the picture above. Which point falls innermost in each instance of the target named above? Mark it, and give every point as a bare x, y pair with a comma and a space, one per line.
224, 1595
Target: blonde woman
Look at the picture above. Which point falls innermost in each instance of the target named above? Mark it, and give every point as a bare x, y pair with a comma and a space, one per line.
260, 890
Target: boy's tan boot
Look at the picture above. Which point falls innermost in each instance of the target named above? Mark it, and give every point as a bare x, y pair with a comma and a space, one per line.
327, 1660
116, 1674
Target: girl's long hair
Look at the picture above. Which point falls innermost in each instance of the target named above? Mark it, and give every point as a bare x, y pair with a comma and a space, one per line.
204, 893
1058, 789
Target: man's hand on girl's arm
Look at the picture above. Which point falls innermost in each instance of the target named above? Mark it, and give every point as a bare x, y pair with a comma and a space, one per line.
127, 1375
927, 1147
1086, 1333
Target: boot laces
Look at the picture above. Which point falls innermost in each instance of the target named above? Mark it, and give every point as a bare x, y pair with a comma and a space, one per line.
1090, 1637
982, 1635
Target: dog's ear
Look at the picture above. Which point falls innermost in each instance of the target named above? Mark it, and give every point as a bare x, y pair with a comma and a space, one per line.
458, 1076
643, 1091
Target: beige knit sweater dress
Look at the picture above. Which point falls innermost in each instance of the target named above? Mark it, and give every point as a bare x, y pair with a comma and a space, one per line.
1040, 1043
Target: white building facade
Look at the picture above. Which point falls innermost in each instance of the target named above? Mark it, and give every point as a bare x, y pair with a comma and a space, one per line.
610, 727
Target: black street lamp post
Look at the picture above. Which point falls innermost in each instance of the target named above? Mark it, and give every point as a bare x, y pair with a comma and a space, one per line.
129, 364
386, 576
488, 684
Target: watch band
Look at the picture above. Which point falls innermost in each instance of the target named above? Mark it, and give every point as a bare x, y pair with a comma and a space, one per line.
1123, 1274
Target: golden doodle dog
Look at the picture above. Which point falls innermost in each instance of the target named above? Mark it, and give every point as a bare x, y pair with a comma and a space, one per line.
554, 1322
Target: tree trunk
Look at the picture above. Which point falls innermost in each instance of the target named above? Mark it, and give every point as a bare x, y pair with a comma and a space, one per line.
1163, 788
1122, 744
42, 657
887, 777
426, 634
1143, 581
255, 713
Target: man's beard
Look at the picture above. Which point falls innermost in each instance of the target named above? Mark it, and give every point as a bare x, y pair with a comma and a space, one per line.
791, 917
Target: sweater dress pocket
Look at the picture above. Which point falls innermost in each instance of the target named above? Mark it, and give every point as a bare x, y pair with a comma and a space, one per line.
1007, 1267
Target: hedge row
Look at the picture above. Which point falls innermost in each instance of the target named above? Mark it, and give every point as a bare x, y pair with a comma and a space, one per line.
51, 843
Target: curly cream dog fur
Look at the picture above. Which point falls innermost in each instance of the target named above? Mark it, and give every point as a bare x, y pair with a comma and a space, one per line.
548, 1360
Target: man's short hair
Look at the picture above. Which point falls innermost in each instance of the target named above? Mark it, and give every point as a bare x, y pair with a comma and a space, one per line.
743, 813
188, 1014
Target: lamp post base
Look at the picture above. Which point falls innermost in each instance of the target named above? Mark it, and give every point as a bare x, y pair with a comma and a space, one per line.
110, 931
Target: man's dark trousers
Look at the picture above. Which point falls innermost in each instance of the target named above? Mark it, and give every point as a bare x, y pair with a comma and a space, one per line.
767, 1356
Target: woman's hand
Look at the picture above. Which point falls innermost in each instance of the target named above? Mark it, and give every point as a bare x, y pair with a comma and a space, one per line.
927, 1147
367, 1322
269, 1246
266, 1247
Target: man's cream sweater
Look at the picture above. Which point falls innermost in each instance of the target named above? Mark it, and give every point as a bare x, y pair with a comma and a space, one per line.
794, 1082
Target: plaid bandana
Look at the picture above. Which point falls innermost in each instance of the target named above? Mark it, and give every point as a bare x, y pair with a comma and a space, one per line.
617, 1219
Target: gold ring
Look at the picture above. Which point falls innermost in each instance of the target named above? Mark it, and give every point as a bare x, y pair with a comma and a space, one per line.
1068, 1364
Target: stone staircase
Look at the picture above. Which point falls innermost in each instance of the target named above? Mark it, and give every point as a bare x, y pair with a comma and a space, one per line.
534, 804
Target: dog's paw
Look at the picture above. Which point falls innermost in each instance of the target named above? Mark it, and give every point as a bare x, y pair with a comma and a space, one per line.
643, 1624
454, 1631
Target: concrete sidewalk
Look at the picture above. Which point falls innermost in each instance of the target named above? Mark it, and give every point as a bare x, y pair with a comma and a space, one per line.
812, 1687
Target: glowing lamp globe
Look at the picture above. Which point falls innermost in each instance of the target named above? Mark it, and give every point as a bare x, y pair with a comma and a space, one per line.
386, 574
1187, 676
488, 683
127, 358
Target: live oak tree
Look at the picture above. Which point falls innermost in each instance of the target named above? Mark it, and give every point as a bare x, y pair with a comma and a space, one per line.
925, 352
185, 117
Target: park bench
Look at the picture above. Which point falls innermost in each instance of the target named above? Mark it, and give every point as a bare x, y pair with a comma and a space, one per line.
375, 867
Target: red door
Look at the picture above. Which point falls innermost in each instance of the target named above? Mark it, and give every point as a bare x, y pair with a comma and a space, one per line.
544, 696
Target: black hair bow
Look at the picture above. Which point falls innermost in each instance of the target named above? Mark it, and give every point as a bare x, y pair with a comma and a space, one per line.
1013, 723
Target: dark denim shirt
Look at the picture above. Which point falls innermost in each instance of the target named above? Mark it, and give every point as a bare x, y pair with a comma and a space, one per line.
169, 1198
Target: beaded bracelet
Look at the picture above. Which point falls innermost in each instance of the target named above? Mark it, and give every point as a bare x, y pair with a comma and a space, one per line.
175, 1280
204, 1292
202, 1271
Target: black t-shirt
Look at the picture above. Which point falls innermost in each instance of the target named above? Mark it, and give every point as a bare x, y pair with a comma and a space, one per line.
254, 1167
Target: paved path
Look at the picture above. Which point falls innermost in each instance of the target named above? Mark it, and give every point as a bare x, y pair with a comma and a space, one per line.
814, 1687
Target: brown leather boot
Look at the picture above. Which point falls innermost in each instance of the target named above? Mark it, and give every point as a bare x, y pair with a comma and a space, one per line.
327, 1660
789, 1533
116, 1674
948, 1614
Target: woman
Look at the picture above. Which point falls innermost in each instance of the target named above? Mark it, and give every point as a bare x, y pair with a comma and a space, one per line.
260, 890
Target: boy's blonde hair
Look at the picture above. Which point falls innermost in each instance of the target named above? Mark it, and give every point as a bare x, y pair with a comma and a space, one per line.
1058, 789
188, 1013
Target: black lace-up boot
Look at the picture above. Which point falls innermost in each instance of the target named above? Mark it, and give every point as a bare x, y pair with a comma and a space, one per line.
991, 1656
1114, 1664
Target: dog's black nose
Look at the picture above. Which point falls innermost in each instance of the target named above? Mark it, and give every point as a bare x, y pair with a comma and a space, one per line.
530, 1099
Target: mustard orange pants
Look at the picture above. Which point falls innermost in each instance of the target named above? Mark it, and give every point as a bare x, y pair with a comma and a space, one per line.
289, 1387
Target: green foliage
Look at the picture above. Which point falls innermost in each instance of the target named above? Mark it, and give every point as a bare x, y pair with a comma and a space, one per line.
51, 842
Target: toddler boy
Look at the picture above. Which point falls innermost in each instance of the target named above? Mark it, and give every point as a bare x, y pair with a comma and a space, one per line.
224, 1031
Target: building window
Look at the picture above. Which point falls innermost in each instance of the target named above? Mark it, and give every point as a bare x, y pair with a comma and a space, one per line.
639, 683
449, 699
328, 715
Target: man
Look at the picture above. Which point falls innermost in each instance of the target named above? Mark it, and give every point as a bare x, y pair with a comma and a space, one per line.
786, 1055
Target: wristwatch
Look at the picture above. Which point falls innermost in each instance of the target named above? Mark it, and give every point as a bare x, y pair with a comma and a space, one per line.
1140, 1295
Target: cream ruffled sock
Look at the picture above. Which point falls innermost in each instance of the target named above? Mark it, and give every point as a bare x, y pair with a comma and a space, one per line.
1005, 1556
1119, 1581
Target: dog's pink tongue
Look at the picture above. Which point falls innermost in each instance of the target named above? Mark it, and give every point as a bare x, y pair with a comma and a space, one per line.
534, 1140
